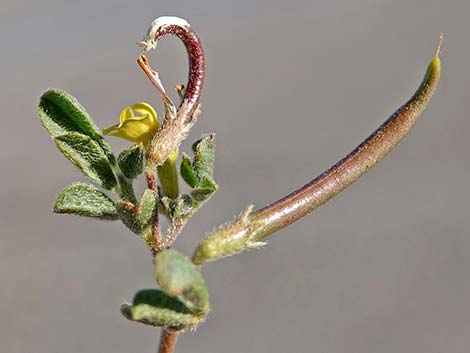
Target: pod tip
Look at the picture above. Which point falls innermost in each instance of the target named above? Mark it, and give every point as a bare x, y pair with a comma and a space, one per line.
439, 46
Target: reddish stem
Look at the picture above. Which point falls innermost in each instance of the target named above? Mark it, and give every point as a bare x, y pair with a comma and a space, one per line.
167, 341
152, 185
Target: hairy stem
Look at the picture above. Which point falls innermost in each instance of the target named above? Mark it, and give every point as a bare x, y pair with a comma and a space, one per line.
150, 174
177, 122
167, 341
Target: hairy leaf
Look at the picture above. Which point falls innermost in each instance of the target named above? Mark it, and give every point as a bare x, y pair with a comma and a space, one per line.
60, 113
155, 308
178, 277
87, 155
204, 190
131, 161
204, 152
137, 218
176, 209
186, 171
85, 200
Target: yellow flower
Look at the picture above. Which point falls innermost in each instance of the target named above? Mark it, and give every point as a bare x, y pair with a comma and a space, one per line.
138, 128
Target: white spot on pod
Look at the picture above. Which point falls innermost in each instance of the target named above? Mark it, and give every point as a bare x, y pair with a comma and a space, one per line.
149, 41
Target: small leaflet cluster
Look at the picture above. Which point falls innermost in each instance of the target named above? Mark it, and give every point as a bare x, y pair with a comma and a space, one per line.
182, 301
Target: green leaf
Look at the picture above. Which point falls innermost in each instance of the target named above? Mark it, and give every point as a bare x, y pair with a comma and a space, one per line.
167, 206
137, 218
184, 206
61, 113
131, 161
85, 200
204, 152
155, 308
146, 207
178, 277
186, 171
199, 174
208, 183
204, 190
177, 209
201, 194
127, 213
87, 155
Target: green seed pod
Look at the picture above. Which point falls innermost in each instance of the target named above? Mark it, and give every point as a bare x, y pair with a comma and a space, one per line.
247, 231
178, 277
228, 240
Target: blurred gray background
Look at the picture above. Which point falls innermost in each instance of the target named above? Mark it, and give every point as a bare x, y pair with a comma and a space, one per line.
292, 86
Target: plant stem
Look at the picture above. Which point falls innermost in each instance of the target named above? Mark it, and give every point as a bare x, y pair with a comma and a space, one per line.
150, 174
177, 123
167, 341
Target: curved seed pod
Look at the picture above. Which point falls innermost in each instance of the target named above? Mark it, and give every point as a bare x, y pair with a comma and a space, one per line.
169, 25
178, 277
365, 156
177, 123
227, 240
